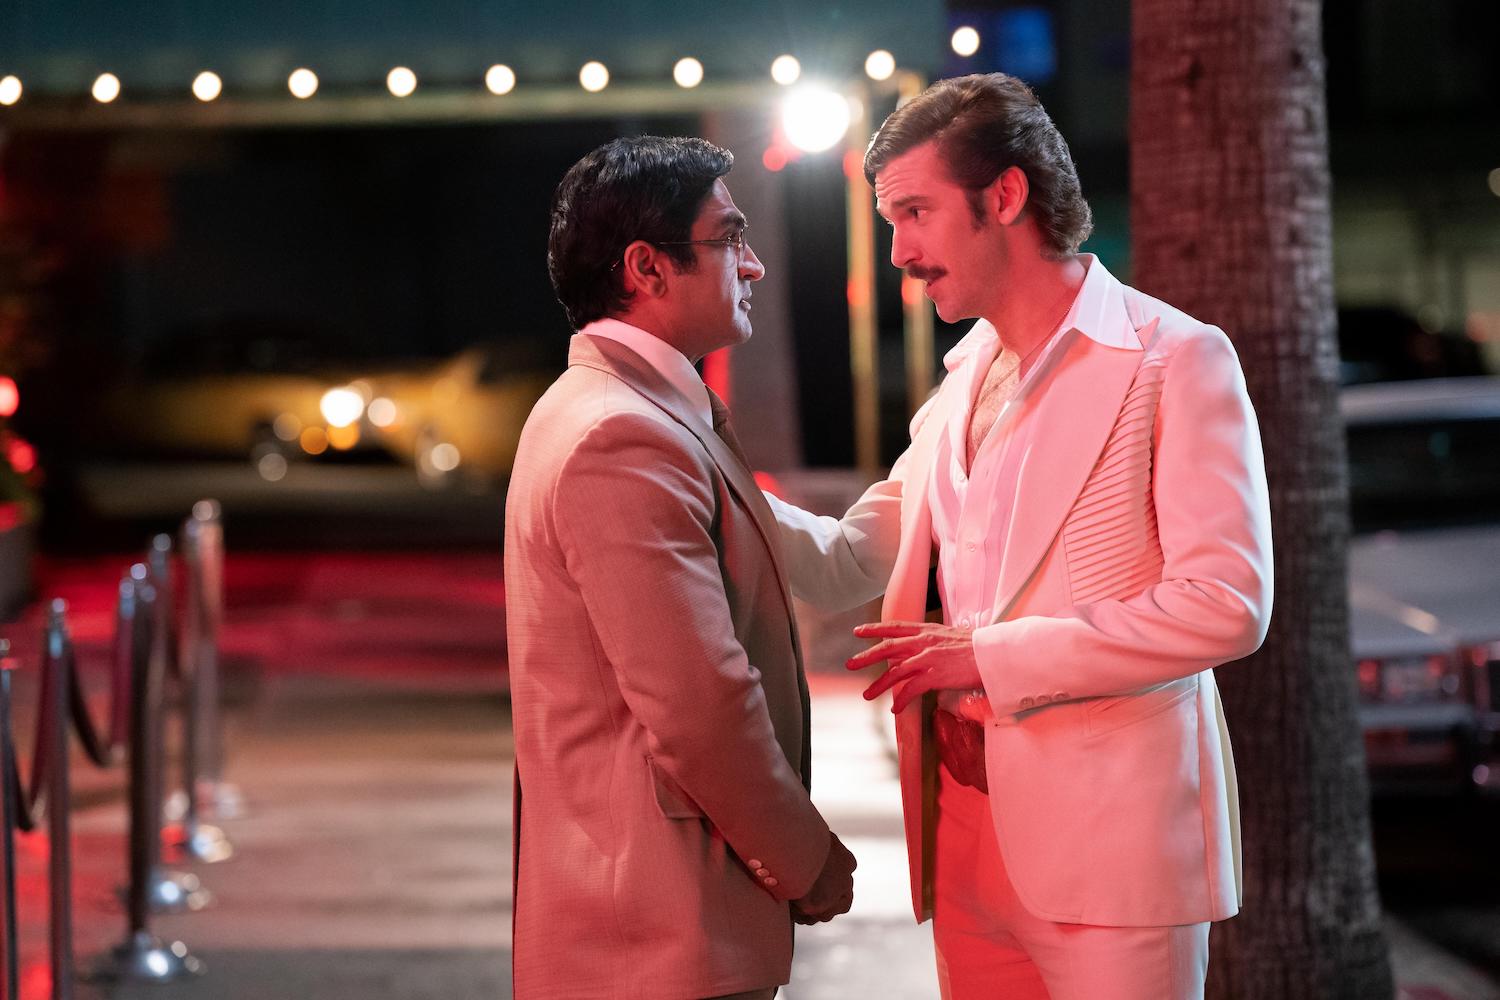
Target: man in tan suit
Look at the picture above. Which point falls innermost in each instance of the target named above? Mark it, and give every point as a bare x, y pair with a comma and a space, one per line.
665, 840
1089, 475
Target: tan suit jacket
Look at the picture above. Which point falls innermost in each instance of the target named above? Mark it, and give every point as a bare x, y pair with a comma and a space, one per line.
1138, 558
660, 707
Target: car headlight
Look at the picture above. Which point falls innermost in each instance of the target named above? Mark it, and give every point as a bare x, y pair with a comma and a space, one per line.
341, 407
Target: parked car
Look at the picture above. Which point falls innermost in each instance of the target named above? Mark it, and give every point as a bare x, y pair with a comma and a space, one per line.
462, 419
239, 390
1424, 578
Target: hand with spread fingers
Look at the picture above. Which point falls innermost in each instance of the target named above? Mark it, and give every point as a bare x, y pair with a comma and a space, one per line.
923, 656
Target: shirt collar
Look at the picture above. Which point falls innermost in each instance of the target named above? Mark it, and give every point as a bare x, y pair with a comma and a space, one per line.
1098, 312
668, 362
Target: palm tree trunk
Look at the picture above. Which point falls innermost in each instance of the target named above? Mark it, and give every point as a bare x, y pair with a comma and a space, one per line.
1230, 216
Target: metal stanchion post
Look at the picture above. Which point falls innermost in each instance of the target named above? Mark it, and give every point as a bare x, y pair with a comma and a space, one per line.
142, 955
198, 840
167, 891
59, 827
10, 806
222, 798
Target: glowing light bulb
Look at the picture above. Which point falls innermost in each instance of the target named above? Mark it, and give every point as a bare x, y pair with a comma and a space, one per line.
688, 72
594, 76
879, 65
965, 41
303, 83
785, 70
106, 88
500, 79
401, 82
207, 86
815, 118
10, 90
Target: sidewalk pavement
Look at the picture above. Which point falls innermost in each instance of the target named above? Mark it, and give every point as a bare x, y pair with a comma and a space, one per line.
372, 746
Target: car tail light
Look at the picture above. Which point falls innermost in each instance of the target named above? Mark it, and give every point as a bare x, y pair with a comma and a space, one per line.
1408, 679
1369, 680
1483, 662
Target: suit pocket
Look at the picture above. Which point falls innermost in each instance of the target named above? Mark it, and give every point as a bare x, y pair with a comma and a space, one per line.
1108, 714
673, 802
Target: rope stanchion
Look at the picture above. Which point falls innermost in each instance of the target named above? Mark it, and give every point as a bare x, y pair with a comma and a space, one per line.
223, 799
166, 891
201, 745
10, 808
142, 956
54, 726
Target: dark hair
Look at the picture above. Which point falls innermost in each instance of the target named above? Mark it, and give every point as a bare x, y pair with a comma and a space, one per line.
983, 124
642, 188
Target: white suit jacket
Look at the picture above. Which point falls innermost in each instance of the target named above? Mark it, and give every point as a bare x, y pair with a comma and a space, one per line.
660, 708
1139, 558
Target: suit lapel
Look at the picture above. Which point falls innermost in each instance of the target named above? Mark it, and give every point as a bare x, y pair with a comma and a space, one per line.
1076, 409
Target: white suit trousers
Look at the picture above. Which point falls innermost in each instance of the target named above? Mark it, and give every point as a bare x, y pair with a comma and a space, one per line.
989, 946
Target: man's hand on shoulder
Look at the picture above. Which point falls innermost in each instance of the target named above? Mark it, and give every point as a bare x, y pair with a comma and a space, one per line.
833, 892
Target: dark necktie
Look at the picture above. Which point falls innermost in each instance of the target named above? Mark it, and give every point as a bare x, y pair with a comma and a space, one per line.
724, 428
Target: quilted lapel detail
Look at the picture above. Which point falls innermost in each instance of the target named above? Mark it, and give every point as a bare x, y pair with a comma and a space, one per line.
1076, 409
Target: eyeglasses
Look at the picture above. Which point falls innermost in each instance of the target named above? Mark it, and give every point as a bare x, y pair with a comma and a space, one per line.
737, 241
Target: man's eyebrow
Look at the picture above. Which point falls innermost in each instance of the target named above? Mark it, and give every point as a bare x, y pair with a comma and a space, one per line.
887, 209
734, 220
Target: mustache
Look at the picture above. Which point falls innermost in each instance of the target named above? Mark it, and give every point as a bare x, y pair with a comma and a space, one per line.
925, 273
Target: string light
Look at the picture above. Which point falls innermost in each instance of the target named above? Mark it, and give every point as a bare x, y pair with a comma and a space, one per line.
207, 86
10, 90
500, 79
688, 72
879, 65
785, 70
303, 83
401, 82
106, 88
594, 76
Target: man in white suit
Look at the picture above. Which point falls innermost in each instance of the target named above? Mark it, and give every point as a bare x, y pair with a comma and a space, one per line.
665, 840
1089, 476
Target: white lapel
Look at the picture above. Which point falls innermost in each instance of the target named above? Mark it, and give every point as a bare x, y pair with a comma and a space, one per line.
1076, 408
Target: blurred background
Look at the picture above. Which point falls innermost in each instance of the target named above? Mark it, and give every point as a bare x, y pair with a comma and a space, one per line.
292, 257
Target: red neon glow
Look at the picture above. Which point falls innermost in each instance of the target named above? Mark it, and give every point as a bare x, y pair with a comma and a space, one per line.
774, 159
22, 455
10, 517
854, 164
10, 396
716, 373
770, 484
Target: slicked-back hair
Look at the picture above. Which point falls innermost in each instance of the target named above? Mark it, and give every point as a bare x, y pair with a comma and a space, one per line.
984, 124
645, 187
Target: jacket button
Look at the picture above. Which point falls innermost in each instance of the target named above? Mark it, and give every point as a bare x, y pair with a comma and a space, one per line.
1027, 702
762, 872
1042, 699
772, 882
1060, 696
753, 863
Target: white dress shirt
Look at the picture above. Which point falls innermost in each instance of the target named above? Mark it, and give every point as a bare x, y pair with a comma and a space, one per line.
971, 510
670, 363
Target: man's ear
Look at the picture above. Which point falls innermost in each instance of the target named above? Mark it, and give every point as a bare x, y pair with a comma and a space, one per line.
644, 268
1005, 198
